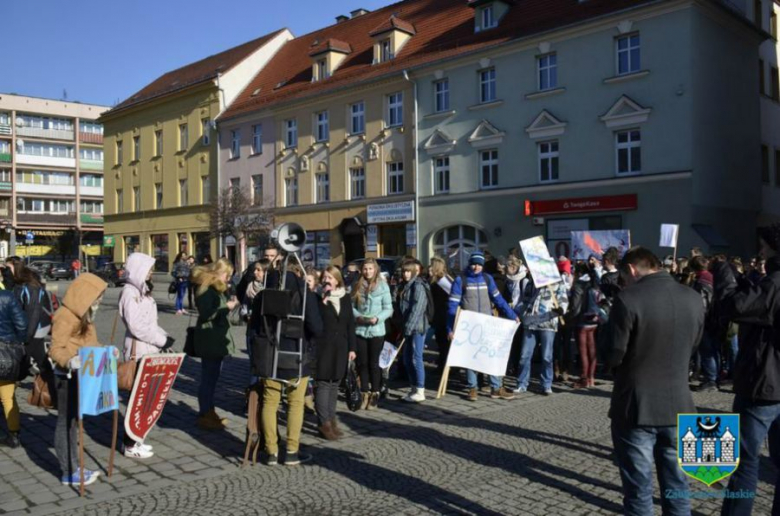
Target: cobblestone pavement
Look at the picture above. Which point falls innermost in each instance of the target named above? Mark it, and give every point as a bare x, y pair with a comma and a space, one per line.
533, 455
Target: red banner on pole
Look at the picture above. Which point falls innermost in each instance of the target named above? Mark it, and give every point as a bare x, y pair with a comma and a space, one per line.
154, 380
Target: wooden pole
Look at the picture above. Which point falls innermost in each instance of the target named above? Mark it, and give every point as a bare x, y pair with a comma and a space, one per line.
113, 444
446, 374
81, 440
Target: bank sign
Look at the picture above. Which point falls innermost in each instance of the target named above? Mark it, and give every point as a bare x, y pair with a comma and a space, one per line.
391, 212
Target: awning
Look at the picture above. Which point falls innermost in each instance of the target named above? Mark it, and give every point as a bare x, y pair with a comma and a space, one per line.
710, 235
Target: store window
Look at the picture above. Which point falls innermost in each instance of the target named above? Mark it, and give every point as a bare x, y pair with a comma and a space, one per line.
456, 243
132, 244
160, 252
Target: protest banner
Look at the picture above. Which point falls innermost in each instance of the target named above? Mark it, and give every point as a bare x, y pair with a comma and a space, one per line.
481, 343
97, 394
388, 354
544, 270
154, 380
585, 244
669, 236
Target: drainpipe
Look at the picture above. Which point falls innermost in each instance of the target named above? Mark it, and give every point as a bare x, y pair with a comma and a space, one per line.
223, 107
416, 171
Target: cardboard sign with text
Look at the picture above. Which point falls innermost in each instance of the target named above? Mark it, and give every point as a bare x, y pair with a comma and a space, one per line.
154, 380
544, 270
482, 343
98, 392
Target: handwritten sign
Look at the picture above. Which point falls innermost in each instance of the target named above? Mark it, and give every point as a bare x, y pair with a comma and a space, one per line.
585, 244
98, 391
544, 270
154, 380
387, 356
669, 235
482, 343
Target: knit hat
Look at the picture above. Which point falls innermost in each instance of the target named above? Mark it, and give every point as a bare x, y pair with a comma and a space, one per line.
477, 258
564, 265
771, 235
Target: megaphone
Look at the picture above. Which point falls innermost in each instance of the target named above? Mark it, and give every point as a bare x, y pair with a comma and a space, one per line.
290, 236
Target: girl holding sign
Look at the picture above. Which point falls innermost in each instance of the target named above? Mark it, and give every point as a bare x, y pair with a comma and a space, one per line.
73, 328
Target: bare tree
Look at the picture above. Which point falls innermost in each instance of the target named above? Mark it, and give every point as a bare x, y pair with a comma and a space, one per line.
234, 214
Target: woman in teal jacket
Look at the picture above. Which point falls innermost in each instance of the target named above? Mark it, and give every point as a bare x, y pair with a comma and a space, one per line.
373, 306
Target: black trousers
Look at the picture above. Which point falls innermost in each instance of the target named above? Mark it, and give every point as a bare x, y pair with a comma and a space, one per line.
368, 351
326, 396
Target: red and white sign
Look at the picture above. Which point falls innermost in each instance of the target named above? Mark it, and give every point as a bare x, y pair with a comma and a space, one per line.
582, 205
154, 380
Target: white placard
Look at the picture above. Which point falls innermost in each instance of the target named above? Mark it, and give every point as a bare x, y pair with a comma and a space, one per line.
669, 235
482, 343
387, 355
445, 284
544, 270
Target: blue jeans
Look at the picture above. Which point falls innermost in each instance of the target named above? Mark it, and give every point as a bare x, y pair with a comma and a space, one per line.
756, 423
709, 350
530, 339
635, 450
209, 374
733, 350
181, 293
413, 359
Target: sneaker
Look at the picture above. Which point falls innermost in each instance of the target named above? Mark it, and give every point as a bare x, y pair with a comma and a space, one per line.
12, 440
708, 387
548, 392
472, 394
272, 460
147, 447
138, 452
90, 477
416, 395
519, 390
501, 394
295, 458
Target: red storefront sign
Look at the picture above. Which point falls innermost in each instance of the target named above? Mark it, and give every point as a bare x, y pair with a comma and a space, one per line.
581, 205
153, 382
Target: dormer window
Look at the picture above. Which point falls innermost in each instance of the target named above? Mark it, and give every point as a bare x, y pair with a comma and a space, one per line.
327, 57
390, 37
488, 13
488, 20
322, 69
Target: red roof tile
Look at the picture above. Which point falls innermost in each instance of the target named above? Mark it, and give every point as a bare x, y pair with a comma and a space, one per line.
445, 29
331, 44
393, 23
195, 73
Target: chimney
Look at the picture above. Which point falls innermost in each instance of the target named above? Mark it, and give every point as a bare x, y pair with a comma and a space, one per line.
341, 18
359, 12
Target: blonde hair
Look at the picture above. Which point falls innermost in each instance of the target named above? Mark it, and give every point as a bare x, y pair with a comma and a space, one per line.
207, 276
437, 269
336, 273
364, 285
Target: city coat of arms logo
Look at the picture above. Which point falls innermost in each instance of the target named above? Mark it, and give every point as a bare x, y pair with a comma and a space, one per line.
708, 445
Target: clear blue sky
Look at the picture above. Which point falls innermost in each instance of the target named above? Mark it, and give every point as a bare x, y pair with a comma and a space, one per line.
103, 51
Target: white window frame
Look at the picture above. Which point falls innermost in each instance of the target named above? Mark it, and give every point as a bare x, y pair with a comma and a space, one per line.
395, 178
385, 50
205, 127
119, 152
257, 139
257, 197
631, 66
395, 109
628, 146
323, 126
357, 183
158, 195
488, 91
184, 137
441, 95
547, 76
490, 161
235, 144
136, 198
136, 148
291, 133
357, 117
441, 174
205, 189
461, 247
488, 18
322, 69
322, 187
291, 191
184, 194
549, 154
158, 143
120, 198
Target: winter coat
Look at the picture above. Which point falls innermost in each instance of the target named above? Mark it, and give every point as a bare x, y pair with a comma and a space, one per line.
655, 325
477, 286
337, 340
38, 306
65, 338
441, 300
138, 309
13, 321
377, 303
579, 310
514, 286
413, 302
539, 304
756, 308
212, 330
181, 270
610, 284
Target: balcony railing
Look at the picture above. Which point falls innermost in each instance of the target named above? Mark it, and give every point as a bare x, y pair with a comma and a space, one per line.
90, 164
47, 218
32, 159
91, 138
5, 186
37, 132
5, 129
39, 188
5, 157
93, 191
92, 218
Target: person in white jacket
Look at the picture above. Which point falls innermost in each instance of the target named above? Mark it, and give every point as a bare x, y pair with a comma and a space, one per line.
143, 336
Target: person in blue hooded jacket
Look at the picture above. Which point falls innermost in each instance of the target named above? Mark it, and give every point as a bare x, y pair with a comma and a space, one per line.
477, 292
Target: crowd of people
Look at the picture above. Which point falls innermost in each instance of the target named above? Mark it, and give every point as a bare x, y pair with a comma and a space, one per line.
652, 324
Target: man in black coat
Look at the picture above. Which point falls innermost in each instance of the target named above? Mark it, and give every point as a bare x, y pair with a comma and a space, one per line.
756, 308
655, 324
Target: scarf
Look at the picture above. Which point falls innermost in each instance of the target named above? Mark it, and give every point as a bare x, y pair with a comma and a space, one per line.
253, 289
515, 285
335, 299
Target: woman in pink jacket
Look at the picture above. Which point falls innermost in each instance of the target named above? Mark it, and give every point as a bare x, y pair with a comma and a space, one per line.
138, 311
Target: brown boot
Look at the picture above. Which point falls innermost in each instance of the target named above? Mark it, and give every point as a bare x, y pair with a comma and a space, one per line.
334, 424
326, 431
216, 418
373, 401
366, 400
472, 396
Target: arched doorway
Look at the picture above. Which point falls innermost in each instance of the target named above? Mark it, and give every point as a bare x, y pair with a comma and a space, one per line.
456, 243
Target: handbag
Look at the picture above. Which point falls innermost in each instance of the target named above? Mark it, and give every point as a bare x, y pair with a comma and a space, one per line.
354, 396
173, 288
11, 357
125, 372
39, 395
189, 341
